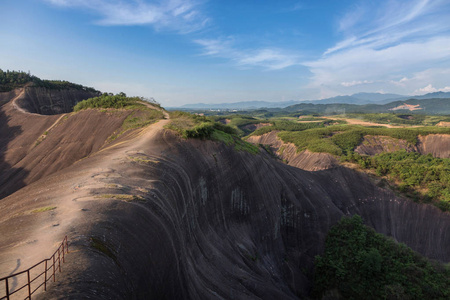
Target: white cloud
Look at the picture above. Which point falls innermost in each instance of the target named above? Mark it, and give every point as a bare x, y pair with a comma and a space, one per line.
183, 16
430, 89
355, 82
268, 58
388, 44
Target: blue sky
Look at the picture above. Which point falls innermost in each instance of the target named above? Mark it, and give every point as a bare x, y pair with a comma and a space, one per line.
226, 51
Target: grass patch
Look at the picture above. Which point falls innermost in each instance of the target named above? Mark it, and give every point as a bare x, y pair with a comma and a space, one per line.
100, 246
42, 209
240, 122
122, 197
143, 116
233, 140
142, 160
200, 127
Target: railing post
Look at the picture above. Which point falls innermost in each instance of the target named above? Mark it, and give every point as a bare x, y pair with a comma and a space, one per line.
63, 247
29, 284
59, 260
63, 251
45, 276
7, 288
54, 268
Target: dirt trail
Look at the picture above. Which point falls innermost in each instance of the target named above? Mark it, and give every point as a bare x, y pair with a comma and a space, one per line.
14, 104
47, 229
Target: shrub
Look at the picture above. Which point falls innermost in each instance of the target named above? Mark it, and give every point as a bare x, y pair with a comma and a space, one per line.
359, 263
109, 101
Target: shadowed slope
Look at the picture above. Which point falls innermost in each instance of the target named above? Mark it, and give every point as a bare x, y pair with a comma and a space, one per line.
41, 145
156, 216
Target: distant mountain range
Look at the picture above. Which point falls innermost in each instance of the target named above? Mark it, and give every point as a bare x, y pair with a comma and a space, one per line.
359, 99
435, 106
239, 105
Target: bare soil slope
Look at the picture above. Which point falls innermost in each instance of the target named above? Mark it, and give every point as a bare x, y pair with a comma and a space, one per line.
305, 160
34, 145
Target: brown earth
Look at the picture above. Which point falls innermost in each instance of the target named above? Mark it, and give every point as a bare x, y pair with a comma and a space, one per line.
305, 159
35, 145
155, 216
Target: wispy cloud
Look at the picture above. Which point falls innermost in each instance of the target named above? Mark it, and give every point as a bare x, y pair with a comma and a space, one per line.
355, 82
383, 42
183, 16
267, 58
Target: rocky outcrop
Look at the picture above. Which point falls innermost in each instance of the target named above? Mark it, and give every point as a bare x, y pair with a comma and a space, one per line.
45, 101
437, 145
215, 223
305, 159
375, 144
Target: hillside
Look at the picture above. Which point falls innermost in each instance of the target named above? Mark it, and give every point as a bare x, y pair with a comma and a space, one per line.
153, 214
439, 106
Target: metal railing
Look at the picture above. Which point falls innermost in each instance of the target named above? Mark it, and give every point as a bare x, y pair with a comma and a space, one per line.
50, 265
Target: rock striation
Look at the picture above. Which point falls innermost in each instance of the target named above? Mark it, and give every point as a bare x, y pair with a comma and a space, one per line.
155, 216
45, 101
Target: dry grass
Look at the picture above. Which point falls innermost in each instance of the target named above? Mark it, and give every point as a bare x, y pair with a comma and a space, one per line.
42, 209
122, 197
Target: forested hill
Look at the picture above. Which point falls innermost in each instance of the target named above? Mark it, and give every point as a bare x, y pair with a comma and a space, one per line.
10, 80
439, 106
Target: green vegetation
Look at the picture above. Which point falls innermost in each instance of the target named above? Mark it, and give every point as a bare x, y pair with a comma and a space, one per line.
122, 197
142, 116
342, 139
422, 177
240, 122
195, 126
359, 263
233, 140
110, 101
399, 119
10, 80
42, 209
286, 125
200, 127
